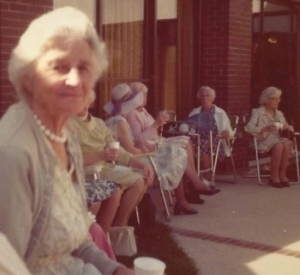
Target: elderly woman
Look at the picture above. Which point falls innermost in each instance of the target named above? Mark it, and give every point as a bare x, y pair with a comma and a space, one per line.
95, 139
266, 123
54, 66
137, 131
209, 117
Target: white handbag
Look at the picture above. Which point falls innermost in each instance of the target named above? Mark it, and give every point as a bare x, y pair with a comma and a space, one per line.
123, 240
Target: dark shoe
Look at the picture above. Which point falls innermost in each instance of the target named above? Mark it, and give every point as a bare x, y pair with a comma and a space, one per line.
180, 210
285, 183
209, 192
194, 198
275, 184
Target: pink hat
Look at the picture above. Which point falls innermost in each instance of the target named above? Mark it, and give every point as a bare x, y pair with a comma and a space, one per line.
123, 100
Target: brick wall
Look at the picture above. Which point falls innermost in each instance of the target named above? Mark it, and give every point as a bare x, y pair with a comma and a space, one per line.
215, 29
15, 16
227, 33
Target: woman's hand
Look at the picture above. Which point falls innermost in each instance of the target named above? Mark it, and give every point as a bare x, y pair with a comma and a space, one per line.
269, 128
151, 146
162, 118
109, 154
147, 170
224, 134
288, 127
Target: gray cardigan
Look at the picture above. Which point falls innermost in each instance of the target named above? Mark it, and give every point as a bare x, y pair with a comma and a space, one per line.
26, 168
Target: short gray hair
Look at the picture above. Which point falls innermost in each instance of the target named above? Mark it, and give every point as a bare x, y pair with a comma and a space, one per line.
268, 93
206, 88
66, 23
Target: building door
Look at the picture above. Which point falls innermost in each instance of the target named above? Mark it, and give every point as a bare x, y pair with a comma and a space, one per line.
274, 53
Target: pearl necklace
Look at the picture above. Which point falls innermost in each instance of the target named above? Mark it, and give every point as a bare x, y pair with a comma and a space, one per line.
48, 133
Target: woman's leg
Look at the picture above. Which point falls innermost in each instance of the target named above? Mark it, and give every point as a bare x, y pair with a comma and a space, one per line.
190, 155
95, 208
276, 155
108, 209
286, 152
129, 200
180, 198
182, 206
192, 175
198, 184
206, 165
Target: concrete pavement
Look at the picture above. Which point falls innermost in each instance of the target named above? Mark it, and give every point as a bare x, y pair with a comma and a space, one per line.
246, 229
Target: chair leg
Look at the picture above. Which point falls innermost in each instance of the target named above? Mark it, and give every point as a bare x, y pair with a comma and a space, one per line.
137, 215
170, 198
212, 157
297, 160
257, 163
232, 162
168, 216
233, 168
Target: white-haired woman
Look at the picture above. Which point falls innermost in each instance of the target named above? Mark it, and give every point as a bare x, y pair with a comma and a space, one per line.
54, 66
209, 117
266, 122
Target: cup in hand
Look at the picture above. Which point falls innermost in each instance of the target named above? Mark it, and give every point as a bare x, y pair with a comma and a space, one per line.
278, 125
164, 116
114, 145
148, 266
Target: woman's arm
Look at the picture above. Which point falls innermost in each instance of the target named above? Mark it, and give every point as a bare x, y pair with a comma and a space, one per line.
126, 138
107, 154
142, 130
227, 129
17, 202
90, 253
283, 120
147, 170
253, 125
256, 126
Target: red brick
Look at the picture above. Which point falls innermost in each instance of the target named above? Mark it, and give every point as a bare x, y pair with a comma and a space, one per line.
15, 16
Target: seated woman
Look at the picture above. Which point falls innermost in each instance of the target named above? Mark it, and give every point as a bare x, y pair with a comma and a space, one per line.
208, 117
94, 138
171, 155
264, 123
54, 66
103, 196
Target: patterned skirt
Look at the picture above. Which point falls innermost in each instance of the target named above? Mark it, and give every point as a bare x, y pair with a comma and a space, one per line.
98, 190
169, 162
205, 147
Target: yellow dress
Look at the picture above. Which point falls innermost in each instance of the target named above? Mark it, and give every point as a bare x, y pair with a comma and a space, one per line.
93, 136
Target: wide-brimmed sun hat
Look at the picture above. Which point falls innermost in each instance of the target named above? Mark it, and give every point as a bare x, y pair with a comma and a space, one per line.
123, 100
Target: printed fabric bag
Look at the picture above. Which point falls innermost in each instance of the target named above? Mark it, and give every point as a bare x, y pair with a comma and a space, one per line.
123, 240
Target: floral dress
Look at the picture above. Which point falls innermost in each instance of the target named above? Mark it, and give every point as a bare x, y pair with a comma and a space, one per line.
259, 119
169, 159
